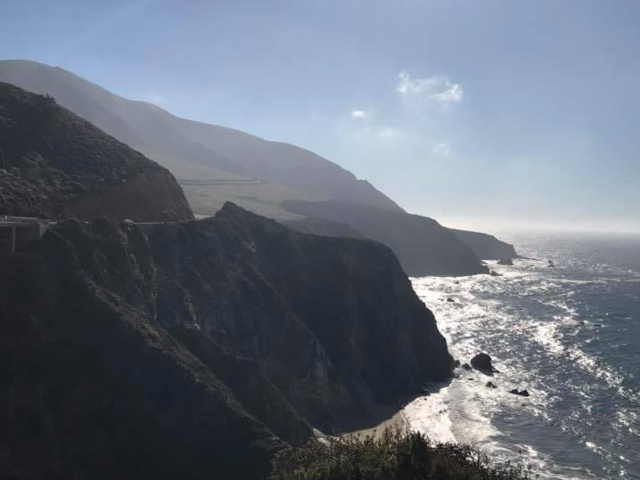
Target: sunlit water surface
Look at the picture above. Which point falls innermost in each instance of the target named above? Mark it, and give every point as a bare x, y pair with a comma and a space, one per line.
570, 335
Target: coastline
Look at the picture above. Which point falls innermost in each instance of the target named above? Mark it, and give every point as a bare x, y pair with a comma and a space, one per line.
385, 418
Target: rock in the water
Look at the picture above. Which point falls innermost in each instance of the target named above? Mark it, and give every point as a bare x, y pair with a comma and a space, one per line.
491, 385
493, 273
505, 261
522, 393
482, 362
450, 300
551, 264
466, 366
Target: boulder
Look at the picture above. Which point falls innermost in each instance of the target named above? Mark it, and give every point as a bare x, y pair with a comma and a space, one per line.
466, 366
522, 393
491, 385
450, 300
482, 362
505, 261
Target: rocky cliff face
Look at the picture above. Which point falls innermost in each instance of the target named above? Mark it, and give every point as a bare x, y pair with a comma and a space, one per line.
423, 246
55, 164
198, 349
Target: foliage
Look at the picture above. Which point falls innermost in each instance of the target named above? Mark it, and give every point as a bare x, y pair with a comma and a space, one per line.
392, 456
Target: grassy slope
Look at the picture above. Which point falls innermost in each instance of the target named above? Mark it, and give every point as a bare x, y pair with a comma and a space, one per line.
208, 188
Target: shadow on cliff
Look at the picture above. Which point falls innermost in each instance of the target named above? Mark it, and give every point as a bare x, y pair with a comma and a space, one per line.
380, 416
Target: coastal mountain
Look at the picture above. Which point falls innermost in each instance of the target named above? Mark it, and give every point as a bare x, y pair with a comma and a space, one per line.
54, 164
423, 246
247, 169
198, 349
214, 164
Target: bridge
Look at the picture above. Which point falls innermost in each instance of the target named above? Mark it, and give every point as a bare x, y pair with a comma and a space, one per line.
17, 232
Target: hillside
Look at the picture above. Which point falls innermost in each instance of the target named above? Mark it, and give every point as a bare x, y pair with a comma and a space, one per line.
199, 349
179, 144
55, 164
485, 246
423, 246
215, 164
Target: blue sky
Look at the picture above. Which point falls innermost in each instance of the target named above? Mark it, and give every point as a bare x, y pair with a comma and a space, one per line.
481, 113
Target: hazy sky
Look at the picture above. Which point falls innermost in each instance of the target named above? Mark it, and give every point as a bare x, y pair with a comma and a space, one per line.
472, 111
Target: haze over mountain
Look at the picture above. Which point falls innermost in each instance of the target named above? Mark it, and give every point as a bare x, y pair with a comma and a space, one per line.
217, 164
194, 151
400, 93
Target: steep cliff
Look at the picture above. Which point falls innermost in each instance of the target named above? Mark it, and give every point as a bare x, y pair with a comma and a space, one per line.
197, 349
485, 246
55, 164
423, 246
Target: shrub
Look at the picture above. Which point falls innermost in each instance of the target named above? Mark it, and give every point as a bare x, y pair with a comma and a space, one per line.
392, 456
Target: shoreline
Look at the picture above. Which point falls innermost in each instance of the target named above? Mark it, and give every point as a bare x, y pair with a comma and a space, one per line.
390, 418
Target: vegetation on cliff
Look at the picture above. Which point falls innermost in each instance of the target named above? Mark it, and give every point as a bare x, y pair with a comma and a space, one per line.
200, 151
392, 456
54, 164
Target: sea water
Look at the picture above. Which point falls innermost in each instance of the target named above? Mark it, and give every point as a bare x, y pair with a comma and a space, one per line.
570, 335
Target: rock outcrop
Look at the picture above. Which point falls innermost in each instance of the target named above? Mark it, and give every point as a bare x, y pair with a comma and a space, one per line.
197, 349
505, 261
423, 246
54, 164
482, 362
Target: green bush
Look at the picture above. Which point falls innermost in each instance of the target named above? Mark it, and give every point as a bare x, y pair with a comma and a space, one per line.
392, 456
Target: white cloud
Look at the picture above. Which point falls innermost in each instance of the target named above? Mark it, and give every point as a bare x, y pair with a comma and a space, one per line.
437, 88
360, 114
442, 148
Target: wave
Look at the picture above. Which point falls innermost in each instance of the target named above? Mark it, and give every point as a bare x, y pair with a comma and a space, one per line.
540, 328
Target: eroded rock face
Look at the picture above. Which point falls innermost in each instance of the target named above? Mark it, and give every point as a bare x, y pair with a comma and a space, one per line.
55, 165
197, 350
339, 310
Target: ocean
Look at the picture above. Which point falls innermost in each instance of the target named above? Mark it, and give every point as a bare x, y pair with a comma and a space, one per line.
570, 335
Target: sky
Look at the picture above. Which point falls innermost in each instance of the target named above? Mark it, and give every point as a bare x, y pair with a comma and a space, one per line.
494, 114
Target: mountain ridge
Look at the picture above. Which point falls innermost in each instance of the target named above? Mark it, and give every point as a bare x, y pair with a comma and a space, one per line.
129, 121
56, 164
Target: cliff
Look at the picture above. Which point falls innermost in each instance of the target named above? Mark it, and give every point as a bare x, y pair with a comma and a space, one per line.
54, 164
197, 349
485, 246
423, 246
